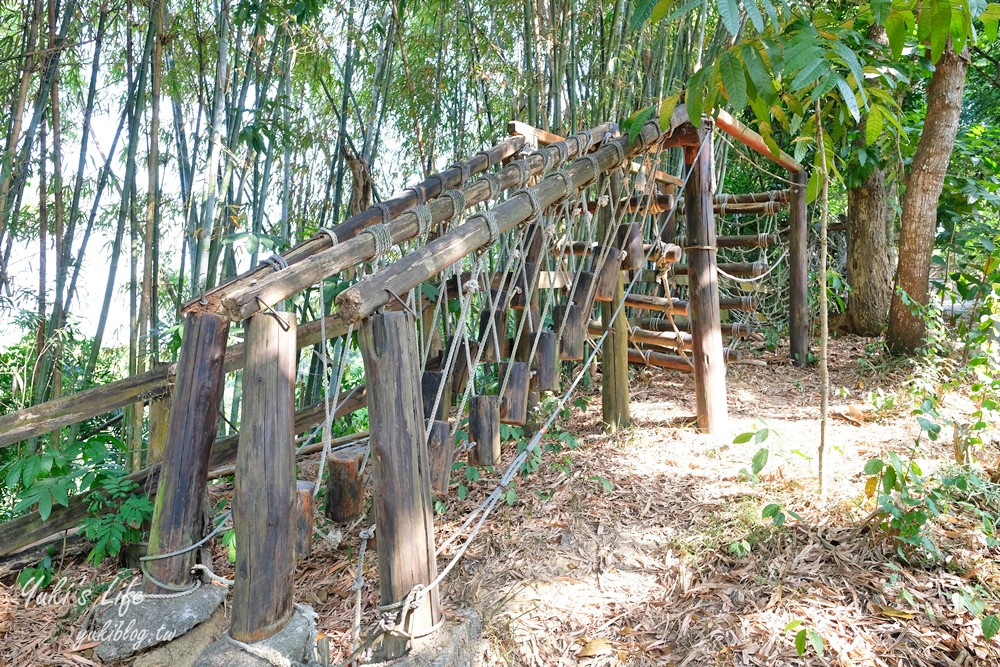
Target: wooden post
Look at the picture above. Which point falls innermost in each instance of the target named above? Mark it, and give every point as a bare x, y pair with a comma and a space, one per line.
159, 425
484, 430
798, 263
178, 517
345, 492
303, 519
614, 362
571, 342
430, 383
514, 401
607, 274
703, 285
546, 362
441, 451
403, 508
264, 495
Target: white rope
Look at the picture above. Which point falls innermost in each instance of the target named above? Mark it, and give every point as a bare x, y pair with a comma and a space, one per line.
330, 233
754, 279
382, 237
424, 219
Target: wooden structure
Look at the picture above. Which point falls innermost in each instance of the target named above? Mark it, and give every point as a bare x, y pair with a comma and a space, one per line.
527, 290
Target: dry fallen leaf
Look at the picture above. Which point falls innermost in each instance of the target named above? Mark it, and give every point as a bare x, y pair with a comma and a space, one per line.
599, 646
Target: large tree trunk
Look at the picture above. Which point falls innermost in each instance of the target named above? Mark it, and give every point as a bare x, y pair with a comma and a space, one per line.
920, 202
869, 269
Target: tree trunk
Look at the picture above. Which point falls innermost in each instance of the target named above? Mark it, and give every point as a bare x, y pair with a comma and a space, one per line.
869, 271
920, 202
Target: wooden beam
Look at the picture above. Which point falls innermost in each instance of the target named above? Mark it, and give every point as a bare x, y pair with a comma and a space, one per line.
743, 134
657, 303
404, 513
703, 287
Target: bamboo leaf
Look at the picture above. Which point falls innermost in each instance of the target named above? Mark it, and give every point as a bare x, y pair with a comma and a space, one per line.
660, 10
734, 81
729, 12
641, 13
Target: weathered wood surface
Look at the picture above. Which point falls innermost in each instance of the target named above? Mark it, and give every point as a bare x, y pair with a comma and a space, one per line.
608, 273
614, 362
244, 300
675, 340
734, 128
303, 513
264, 495
371, 294
645, 204
572, 334
159, 424
546, 362
430, 384
703, 287
72, 408
29, 528
670, 361
440, 451
798, 272
194, 415
752, 197
663, 253
738, 269
514, 401
738, 329
492, 333
399, 203
657, 303
748, 241
748, 208
345, 493
401, 471
630, 240
484, 430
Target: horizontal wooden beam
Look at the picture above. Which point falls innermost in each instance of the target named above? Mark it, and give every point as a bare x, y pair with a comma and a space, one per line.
755, 142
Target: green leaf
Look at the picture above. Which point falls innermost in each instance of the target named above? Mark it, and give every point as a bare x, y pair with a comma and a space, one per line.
758, 72
44, 506
849, 99
793, 624
32, 466
817, 641
814, 186
809, 75
874, 467
874, 123
641, 13
660, 10
851, 60
729, 12
934, 25
990, 625
742, 438
800, 642
759, 460
695, 96
991, 20
889, 480
667, 107
734, 80
753, 12
880, 10
897, 27
770, 510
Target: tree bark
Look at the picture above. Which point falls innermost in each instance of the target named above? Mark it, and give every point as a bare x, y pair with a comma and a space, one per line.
920, 202
869, 271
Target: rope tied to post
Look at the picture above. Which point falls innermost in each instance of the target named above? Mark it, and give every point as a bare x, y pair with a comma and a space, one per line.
536, 204
423, 213
276, 262
464, 168
382, 237
491, 224
594, 164
567, 181
457, 198
421, 199
619, 152
563, 150
523, 171
494, 182
330, 233
584, 140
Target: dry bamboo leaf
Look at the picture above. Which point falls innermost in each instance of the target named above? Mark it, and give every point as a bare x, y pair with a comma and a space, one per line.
594, 647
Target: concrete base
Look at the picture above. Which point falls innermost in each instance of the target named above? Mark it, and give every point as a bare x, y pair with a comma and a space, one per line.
184, 651
291, 642
134, 624
455, 644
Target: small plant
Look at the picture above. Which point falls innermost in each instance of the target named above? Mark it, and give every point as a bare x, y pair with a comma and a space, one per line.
805, 637
759, 461
229, 541
117, 514
41, 575
739, 548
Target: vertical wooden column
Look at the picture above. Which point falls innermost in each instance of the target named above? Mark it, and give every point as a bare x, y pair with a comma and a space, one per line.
264, 496
798, 264
703, 285
159, 424
194, 412
614, 358
403, 506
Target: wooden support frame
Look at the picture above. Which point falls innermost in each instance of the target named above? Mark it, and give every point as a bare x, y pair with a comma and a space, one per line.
179, 512
404, 512
703, 286
264, 495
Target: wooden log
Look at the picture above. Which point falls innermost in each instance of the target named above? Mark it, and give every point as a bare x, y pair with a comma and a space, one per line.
608, 273
514, 400
636, 334
738, 269
179, 511
276, 286
398, 204
630, 241
748, 241
657, 303
492, 334
264, 495
749, 208
663, 253
484, 430
648, 358
730, 355
744, 303
644, 204
572, 333
440, 452
432, 382
546, 362
525, 282
586, 291
303, 514
738, 329
345, 491
159, 424
752, 197
464, 357
754, 141
371, 294
403, 505
703, 287
798, 272
72, 408
615, 411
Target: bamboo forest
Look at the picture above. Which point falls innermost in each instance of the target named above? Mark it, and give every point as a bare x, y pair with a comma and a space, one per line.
480, 333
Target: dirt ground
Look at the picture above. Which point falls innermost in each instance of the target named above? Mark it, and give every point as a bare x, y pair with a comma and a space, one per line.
647, 547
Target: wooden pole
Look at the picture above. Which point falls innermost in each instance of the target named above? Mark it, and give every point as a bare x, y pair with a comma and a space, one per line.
703, 286
265, 492
345, 492
159, 424
441, 451
178, 515
402, 492
484, 429
614, 354
798, 262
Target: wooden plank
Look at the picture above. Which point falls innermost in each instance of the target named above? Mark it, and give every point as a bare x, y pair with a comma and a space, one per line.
743, 134
264, 495
402, 492
179, 512
484, 430
440, 451
798, 269
514, 401
703, 287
